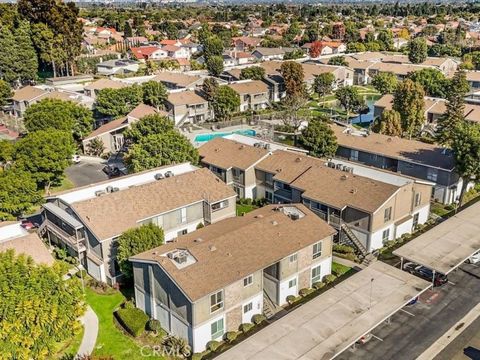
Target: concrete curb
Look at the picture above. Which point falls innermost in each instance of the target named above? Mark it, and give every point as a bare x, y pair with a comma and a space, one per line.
450, 335
90, 323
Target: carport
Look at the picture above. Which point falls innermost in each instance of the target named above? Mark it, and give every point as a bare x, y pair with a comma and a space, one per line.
446, 246
332, 322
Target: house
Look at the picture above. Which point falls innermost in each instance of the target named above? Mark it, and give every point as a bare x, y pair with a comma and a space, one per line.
136, 40
117, 67
473, 78
414, 158
175, 80
176, 52
24, 97
14, 236
88, 221
187, 106
343, 75
245, 43
111, 133
268, 54
211, 281
93, 88
144, 53
254, 94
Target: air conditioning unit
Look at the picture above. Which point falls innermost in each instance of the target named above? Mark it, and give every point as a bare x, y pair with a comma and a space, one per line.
109, 189
181, 258
100, 192
169, 174
258, 145
159, 176
115, 189
349, 169
331, 165
267, 146
294, 216
338, 166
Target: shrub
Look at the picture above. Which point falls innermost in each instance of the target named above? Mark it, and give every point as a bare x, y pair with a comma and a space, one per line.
133, 320
291, 299
318, 285
245, 327
128, 305
257, 319
154, 325
197, 356
248, 201
304, 292
176, 345
329, 278
200, 225
343, 249
81, 274
213, 345
98, 285
230, 336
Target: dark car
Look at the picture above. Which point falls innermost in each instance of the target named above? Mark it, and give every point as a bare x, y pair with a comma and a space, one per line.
425, 273
115, 171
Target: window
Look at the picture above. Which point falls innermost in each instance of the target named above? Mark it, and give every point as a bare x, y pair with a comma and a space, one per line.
432, 174
418, 199
317, 250
385, 235
292, 283
220, 205
316, 274
269, 178
247, 308
268, 196
216, 329
293, 258
387, 216
216, 301
236, 173
354, 155
182, 232
248, 280
415, 220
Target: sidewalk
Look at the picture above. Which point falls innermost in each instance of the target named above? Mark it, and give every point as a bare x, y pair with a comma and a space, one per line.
348, 263
90, 323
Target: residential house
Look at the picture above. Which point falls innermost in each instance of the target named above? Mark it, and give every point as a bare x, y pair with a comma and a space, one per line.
176, 52
88, 221
111, 133
254, 94
211, 281
245, 43
473, 78
175, 80
93, 88
268, 54
187, 106
144, 53
117, 67
343, 75
414, 158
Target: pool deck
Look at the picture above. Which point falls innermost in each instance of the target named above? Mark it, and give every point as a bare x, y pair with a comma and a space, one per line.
194, 133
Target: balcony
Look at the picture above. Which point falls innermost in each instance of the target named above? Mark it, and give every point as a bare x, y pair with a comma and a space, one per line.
334, 220
70, 240
284, 194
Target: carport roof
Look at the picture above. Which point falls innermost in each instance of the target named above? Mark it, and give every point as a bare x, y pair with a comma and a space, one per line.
448, 244
329, 324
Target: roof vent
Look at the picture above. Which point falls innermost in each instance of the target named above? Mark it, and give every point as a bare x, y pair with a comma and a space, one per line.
389, 139
198, 240
212, 248
259, 216
242, 146
100, 192
343, 177
159, 176
353, 191
298, 159
109, 189
169, 174
274, 223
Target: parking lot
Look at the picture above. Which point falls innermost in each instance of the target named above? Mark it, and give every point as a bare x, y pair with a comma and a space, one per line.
86, 173
413, 329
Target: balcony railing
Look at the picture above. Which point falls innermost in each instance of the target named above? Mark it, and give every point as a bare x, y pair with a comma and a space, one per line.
70, 240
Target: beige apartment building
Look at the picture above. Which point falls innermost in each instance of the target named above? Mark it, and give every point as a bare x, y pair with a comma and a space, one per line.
88, 221
254, 94
187, 107
212, 280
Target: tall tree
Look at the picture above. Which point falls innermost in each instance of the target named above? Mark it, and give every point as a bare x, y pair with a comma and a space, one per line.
5, 93
215, 65
349, 99
225, 102
408, 100
432, 80
455, 114
8, 66
136, 241
390, 123
319, 139
49, 46
417, 50
385, 82
209, 88
149, 125
323, 83
118, 102
293, 76
25, 55
212, 46
154, 93
252, 73
45, 154
315, 49
127, 29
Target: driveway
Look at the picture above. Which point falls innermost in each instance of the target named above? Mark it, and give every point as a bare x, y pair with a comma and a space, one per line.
86, 173
413, 329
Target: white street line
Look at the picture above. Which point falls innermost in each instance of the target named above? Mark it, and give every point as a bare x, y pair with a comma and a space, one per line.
406, 312
452, 283
376, 337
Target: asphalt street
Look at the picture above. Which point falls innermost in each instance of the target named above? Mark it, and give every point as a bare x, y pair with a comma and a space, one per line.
86, 173
413, 329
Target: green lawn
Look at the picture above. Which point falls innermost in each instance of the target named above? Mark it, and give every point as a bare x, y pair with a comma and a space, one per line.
66, 184
111, 341
439, 209
339, 269
243, 208
68, 349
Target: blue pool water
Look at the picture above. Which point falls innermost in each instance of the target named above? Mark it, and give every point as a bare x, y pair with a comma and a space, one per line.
210, 136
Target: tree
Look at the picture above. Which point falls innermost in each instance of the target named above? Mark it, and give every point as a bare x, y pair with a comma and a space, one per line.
161, 149
316, 49
45, 154
455, 114
225, 102
215, 65
95, 147
417, 50
319, 139
18, 194
338, 60
49, 46
385, 82
212, 46
39, 308
354, 47
5, 93
154, 93
293, 76
252, 73
8, 59
390, 123
127, 30
25, 56
118, 102
7, 148
148, 125
465, 144
323, 83
294, 54
136, 241
433, 81
408, 101
209, 88
349, 99
59, 115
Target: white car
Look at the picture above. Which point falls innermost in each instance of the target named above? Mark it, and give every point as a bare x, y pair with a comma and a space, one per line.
76, 159
474, 259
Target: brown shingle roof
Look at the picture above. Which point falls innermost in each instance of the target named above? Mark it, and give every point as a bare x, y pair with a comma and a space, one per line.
143, 110
180, 79
249, 87
225, 154
108, 127
243, 245
28, 93
110, 215
397, 148
105, 84
30, 245
188, 97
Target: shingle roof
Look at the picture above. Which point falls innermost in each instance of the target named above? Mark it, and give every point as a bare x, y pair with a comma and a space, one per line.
105, 84
243, 245
249, 87
28, 93
110, 215
188, 97
180, 79
225, 154
30, 245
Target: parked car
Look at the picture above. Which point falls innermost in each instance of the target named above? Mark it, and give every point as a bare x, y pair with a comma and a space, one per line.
425, 273
364, 339
413, 301
76, 159
115, 170
474, 259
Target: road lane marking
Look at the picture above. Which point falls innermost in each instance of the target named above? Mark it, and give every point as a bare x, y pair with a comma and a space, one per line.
452, 283
376, 337
406, 312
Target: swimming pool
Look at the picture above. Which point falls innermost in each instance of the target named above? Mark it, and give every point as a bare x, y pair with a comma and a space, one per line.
210, 136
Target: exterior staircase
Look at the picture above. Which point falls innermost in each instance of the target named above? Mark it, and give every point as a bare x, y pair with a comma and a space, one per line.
350, 237
269, 308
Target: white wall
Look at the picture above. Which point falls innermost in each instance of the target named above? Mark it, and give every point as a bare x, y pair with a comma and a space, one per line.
423, 214
257, 307
405, 228
249, 192
376, 241
172, 233
286, 291
326, 269
96, 271
202, 334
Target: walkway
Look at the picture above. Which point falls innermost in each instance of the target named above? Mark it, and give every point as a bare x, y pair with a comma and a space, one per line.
90, 323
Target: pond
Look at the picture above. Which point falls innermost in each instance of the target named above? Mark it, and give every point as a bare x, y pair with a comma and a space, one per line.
368, 117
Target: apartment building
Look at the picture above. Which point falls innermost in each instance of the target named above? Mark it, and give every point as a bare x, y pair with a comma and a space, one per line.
254, 94
93, 88
88, 221
343, 75
176, 80
187, 107
420, 160
212, 280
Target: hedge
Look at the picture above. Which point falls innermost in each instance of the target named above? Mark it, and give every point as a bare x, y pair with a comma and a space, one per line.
133, 320
213, 345
245, 327
257, 319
